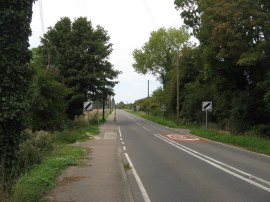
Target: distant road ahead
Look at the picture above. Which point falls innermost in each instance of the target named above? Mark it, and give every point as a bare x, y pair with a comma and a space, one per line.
174, 166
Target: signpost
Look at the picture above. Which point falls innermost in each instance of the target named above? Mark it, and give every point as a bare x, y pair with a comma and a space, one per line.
163, 109
87, 106
206, 107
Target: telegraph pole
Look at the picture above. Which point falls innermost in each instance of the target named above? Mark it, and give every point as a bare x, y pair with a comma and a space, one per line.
177, 87
148, 89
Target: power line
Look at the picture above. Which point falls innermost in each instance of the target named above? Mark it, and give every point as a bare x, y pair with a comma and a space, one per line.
149, 12
41, 16
81, 7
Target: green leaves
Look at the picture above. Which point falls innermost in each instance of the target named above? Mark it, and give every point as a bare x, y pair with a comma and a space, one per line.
15, 77
234, 56
158, 54
81, 53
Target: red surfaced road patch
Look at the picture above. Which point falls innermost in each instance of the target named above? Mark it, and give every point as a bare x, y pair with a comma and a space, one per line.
183, 138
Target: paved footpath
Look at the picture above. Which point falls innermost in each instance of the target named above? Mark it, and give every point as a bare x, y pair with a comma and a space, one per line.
101, 177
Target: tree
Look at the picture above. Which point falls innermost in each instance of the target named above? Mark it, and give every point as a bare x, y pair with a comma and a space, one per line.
15, 76
157, 56
234, 39
81, 53
47, 104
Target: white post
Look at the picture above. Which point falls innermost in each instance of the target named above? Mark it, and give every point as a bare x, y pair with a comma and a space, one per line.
206, 118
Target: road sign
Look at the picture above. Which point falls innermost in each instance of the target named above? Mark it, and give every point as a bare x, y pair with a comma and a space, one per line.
138, 107
163, 108
87, 106
207, 106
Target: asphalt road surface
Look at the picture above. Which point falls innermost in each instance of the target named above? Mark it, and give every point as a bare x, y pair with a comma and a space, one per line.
171, 165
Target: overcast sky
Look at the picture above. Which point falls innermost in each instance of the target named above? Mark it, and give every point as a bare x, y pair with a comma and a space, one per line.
129, 24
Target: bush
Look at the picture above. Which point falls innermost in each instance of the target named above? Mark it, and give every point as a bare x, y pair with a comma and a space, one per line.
261, 130
33, 147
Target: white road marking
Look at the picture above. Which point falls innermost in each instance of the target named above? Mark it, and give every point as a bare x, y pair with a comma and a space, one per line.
124, 148
146, 129
120, 134
247, 177
183, 137
121, 139
123, 143
139, 182
138, 123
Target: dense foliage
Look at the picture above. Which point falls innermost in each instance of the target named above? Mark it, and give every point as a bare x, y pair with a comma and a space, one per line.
81, 53
15, 77
70, 67
47, 104
158, 55
230, 66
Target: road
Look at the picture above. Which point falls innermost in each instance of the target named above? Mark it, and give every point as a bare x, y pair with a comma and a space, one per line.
170, 165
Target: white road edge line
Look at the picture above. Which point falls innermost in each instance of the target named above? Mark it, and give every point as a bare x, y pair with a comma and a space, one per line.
200, 156
222, 164
139, 182
120, 134
146, 129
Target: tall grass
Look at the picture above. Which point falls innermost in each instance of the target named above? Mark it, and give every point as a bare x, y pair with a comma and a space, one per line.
251, 142
42, 156
33, 185
79, 134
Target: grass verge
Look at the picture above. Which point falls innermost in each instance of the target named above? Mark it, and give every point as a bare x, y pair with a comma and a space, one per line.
35, 184
71, 136
40, 180
250, 142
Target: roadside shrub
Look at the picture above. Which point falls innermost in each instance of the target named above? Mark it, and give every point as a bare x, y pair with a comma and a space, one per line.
33, 147
262, 130
30, 152
78, 122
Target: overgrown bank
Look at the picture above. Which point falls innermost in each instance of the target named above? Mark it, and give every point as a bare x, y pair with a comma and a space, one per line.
249, 141
42, 157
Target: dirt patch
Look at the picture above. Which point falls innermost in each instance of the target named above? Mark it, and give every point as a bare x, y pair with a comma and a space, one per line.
67, 180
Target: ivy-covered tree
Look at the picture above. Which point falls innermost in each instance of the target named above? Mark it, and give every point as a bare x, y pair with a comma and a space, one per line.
81, 53
15, 77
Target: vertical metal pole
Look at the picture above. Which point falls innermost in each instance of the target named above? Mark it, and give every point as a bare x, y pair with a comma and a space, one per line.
103, 109
148, 108
114, 113
206, 118
148, 90
98, 113
88, 117
177, 86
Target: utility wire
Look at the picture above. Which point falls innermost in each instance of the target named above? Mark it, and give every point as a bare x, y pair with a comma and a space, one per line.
81, 7
41, 17
149, 12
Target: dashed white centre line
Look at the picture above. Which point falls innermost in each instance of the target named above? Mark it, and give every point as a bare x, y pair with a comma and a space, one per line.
146, 129
120, 134
124, 148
